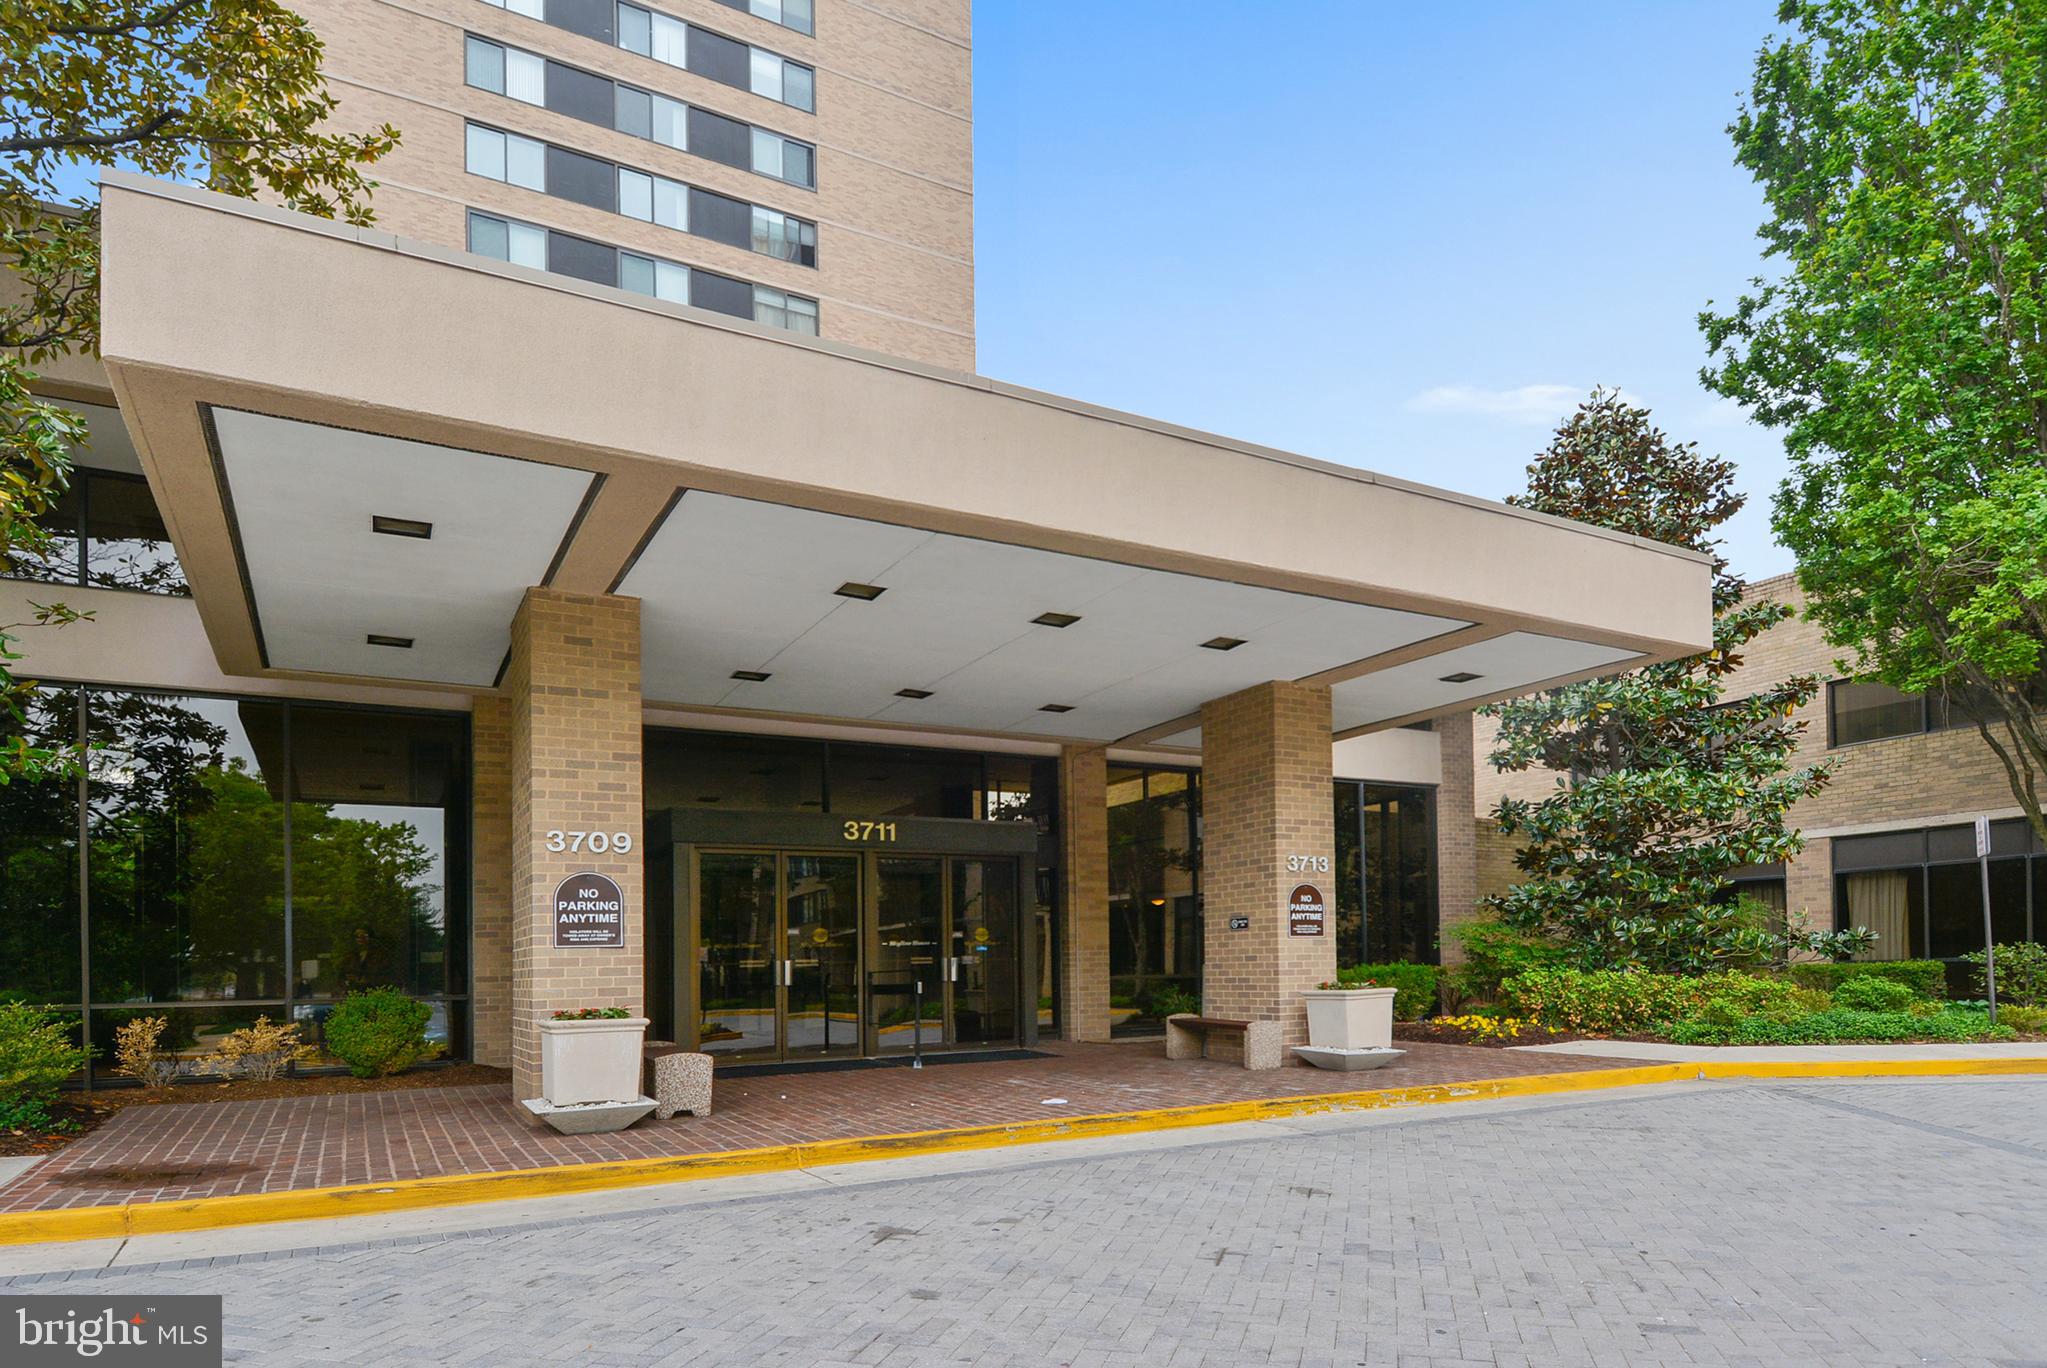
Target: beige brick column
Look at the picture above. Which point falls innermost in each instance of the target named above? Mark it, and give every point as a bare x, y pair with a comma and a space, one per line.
574, 694
1809, 888
1456, 835
490, 882
1084, 895
1265, 797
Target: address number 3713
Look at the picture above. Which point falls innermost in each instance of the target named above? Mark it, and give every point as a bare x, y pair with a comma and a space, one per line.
597, 842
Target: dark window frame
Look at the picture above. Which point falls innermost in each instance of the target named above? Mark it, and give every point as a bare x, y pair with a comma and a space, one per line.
83, 477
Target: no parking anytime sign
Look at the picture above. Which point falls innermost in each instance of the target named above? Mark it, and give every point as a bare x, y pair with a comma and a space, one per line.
1306, 912
589, 913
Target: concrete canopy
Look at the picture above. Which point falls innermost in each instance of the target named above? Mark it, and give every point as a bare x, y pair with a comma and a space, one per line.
286, 380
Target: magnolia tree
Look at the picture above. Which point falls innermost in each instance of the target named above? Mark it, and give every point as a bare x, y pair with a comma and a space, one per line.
1663, 785
227, 92
1901, 345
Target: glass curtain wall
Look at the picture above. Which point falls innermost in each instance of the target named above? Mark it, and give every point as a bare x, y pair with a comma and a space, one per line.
226, 858
1155, 931
1386, 874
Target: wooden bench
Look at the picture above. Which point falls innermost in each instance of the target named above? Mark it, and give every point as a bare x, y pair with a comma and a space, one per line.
1257, 1043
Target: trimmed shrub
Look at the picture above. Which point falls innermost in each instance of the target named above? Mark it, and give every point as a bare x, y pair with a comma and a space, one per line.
1839, 1024
2024, 1020
2021, 974
36, 1055
1868, 993
379, 1032
261, 1052
1605, 1001
1927, 978
1413, 985
138, 1048
1174, 1001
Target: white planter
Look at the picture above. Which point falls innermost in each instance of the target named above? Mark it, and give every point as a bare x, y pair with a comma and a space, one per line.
591, 1061
1350, 1018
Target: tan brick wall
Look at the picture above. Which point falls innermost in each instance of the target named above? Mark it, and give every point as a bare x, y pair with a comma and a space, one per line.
490, 820
1897, 783
1456, 841
574, 694
1084, 901
893, 129
1266, 786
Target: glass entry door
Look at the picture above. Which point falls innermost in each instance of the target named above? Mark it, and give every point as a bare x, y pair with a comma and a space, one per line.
778, 954
909, 954
982, 969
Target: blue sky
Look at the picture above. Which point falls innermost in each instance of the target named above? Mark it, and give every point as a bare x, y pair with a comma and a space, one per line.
1403, 237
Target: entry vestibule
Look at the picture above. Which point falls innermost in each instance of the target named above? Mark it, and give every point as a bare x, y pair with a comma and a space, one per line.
778, 937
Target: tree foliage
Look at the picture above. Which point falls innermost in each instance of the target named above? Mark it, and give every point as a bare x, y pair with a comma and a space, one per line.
1901, 146
1663, 785
228, 92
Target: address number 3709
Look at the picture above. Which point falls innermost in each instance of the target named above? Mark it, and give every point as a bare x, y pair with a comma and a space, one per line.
596, 842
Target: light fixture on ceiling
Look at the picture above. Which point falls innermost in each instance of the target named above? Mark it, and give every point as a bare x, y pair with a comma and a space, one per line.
401, 527
913, 693
1056, 619
750, 676
398, 642
1223, 643
1461, 677
1056, 707
1158, 902
867, 593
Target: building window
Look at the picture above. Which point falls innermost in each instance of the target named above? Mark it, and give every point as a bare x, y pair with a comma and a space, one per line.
104, 530
240, 857
783, 158
653, 276
716, 57
1155, 910
1921, 892
1385, 873
779, 309
790, 14
778, 235
507, 240
507, 157
505, 71
532, 9
1859, 710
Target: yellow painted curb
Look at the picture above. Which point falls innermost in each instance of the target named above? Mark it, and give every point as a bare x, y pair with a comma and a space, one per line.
363, 1199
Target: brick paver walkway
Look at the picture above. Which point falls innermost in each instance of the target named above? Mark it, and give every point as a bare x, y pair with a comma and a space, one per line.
1802, 1226
215, 1149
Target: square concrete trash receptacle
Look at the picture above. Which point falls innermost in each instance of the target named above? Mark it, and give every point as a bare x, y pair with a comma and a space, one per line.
590, 1061
1350, 1018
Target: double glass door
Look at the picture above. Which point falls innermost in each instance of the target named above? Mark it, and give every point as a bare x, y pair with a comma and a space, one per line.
811, 956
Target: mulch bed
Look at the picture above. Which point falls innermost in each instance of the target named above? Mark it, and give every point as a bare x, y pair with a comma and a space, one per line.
1439, 1034
87, 1111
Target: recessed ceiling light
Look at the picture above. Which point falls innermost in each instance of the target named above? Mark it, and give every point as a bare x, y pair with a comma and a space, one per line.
401, 527
379, 639
913, 693
1057, 707
1056, 619
868, 592
750, 676
1461, 677
1223, 643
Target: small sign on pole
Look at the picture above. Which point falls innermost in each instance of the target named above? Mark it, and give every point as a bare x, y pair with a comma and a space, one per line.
1989, 931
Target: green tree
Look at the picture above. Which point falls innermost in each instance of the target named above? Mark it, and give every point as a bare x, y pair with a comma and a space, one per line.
1901, 348
224, 91
1664, 785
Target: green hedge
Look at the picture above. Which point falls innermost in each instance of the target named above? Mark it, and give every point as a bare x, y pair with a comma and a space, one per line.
1842, 1024
1927, 978
1413, 985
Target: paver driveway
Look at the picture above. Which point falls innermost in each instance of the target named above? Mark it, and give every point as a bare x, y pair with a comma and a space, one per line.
1853, 1224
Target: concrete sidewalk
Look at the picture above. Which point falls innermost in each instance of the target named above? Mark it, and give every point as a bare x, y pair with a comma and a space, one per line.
1757, 1054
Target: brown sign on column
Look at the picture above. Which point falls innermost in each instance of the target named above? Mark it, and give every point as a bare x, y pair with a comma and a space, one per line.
589, 912
1306, 913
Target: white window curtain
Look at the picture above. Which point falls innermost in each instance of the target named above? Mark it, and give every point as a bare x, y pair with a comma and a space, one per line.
1881, 903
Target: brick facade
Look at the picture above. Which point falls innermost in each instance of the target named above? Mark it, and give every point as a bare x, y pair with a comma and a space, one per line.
1266, 785
1456, 841
573, 689
490, 881
1084, 899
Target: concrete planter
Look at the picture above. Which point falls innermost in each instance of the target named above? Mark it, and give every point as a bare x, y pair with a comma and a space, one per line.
590, 1061
1350, 1018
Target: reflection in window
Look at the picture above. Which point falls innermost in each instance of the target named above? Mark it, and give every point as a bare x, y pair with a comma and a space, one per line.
1155, 932
1866, 711
39, 861
1389, 847
105, 532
